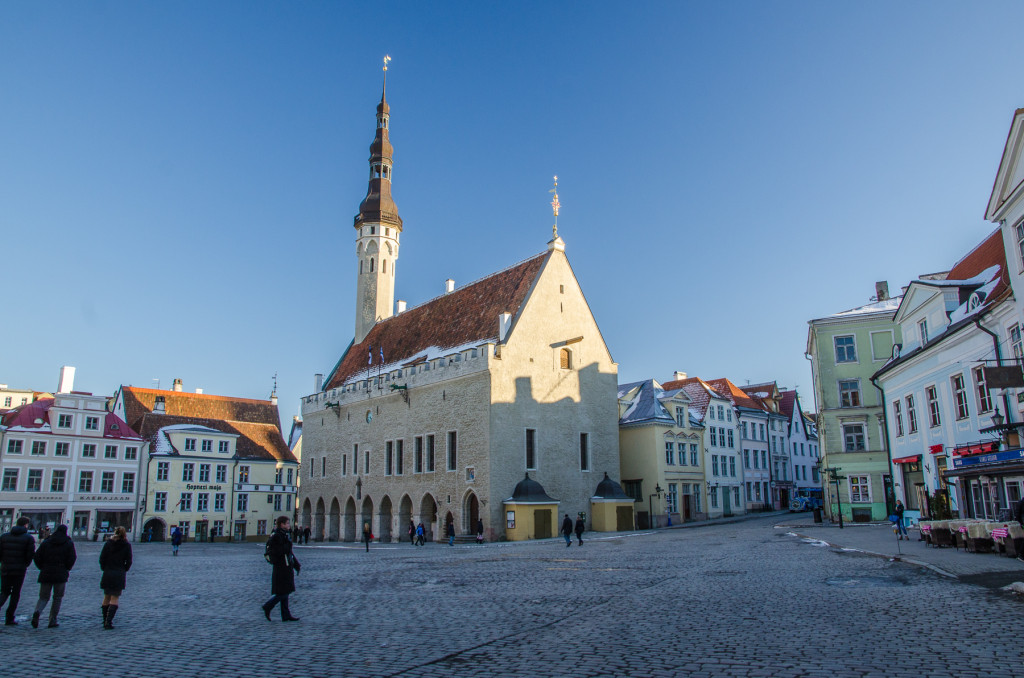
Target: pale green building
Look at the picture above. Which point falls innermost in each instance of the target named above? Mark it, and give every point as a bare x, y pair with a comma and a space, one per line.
845, 349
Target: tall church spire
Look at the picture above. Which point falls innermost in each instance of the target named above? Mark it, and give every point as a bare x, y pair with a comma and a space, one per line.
378, 228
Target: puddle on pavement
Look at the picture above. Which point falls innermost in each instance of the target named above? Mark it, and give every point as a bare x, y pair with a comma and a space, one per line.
866, 582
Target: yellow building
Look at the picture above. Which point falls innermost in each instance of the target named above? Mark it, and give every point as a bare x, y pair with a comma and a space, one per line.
218, 467
661, 454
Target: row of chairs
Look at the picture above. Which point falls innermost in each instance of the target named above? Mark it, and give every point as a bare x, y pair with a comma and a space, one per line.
975, 536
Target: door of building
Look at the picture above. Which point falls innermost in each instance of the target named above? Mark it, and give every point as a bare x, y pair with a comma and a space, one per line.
726, 506
542, 523
239, 530
624, 518
80, 526
202, 530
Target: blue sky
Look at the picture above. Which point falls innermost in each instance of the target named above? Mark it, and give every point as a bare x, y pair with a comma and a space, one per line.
178, 180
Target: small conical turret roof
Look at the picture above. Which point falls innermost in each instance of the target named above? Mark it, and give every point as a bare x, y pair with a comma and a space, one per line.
532, 491
609, 489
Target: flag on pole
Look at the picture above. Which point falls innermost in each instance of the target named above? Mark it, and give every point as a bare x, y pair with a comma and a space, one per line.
369, 360
381, 355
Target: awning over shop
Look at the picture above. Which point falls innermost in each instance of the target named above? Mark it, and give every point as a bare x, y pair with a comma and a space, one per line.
907, 460
976, 448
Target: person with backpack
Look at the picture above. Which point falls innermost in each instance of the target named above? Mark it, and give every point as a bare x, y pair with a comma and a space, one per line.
16, 550
176, 536
55, 557
567, 530
278, 553
420, 534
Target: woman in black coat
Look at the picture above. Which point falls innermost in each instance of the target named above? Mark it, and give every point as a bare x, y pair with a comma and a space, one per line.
115, 561
55, 557
282, 580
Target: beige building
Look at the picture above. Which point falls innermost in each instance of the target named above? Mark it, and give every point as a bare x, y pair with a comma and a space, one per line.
439, 411
661, 449
218, 466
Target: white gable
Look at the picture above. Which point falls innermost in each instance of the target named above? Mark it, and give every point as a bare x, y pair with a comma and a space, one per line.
1009, 183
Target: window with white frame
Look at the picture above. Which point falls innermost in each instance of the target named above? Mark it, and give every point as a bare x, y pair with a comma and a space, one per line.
222, 473
693, 454
846, 349
672, 498
185, 502
931, 396
222, 446
38, 447
1015, 342
35, 480
10, 482
63, 450
207, 445
714, 436
670, 453
92, 423
190, 444
1019, 228
218, 501
911, 414
64, 420
243, 502
160, 501
714, 464
681, 417
131, 453
731, 443
860, 489
128, 483
853, 438
897, 417
960, 396
984, 397
89, 450
922, 330
187, 472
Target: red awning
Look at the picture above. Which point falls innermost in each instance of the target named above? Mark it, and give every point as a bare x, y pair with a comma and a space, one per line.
936, 449
907, 460
976, 448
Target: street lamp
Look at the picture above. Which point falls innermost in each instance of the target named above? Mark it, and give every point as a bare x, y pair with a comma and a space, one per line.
833, 471
650, 506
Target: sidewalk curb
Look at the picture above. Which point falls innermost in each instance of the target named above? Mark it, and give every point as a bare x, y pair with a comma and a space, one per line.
887, 556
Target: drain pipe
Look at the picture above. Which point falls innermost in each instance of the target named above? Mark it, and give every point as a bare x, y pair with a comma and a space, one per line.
999, 361
890, 495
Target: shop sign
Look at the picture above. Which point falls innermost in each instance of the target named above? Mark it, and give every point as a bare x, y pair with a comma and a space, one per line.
204, 487
1007, 455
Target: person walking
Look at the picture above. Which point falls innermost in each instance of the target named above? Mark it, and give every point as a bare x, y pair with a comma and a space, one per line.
367, 536
115, 561
449, 531
579, 529
305, 533
16, 550
901, 529
567, 530
176, 537
55, 557
149, 534
420, 533
286, 566
412, 533
479, 531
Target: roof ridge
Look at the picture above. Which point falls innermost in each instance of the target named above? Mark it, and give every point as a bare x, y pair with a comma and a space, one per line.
214, 396
466, 286
974, 249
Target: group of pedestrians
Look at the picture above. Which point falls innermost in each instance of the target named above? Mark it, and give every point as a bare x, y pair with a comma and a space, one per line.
55, 559
568, 528
300, 533
417, 534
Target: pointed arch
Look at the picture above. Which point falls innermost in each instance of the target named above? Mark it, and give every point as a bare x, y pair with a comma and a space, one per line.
404, 516
384, 526
334, 522
318, 521
350, 520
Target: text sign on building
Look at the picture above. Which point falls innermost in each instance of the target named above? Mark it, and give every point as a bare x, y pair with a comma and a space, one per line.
1008, 455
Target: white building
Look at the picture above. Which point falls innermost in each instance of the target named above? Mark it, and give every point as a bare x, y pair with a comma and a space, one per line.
938, 404
68, 460
803, 446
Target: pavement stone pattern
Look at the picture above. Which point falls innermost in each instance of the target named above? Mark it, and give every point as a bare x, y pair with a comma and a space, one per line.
745, 599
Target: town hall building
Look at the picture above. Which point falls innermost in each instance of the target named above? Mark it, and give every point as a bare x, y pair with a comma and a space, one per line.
456, 409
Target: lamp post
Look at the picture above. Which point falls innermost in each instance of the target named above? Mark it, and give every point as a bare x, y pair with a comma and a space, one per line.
833, 471
650, 505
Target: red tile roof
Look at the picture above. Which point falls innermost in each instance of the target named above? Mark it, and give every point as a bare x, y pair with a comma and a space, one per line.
467, 315
256, 421
735, 394
988, 253
787, 403
26, 415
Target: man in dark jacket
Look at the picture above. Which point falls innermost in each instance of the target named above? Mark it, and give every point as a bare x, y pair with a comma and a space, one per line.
54, 558
580, 527
567, 530
16, 550
282, 579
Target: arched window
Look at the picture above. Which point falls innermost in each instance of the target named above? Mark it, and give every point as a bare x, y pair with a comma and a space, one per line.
360, 267
371, 264
565, 359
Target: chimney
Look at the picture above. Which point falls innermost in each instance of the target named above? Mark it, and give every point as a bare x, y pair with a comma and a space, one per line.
199, 391
67, 380
504, 323
449, 286
882, 290
273, 399
158, 406
177, 385
318, 380
678, 376
400, 304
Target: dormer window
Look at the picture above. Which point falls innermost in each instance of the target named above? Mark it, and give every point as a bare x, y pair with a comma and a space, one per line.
922, 327
681, 417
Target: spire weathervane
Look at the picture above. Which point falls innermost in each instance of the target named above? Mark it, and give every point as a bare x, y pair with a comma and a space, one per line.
555, 205
386, 60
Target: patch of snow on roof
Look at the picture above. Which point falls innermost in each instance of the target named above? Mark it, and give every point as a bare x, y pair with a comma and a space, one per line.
988, 279
431, 353
886, 305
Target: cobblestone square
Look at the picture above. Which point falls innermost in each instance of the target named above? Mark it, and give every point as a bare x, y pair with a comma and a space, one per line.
745, 599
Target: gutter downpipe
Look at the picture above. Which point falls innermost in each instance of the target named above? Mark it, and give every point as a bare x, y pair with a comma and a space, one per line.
999, 361
890, 496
